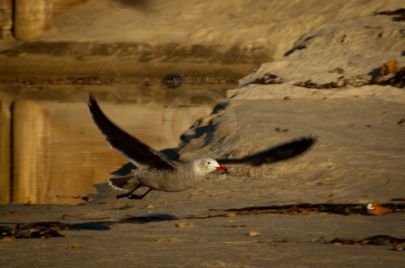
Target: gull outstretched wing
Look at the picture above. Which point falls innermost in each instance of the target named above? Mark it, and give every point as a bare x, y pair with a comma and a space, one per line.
136, 151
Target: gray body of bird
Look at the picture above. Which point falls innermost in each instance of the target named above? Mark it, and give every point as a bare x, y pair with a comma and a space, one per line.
183, 177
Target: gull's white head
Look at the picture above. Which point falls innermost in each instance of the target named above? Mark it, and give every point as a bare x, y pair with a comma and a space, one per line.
208, 165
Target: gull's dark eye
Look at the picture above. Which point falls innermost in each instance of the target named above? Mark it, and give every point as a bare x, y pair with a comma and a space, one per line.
209, 163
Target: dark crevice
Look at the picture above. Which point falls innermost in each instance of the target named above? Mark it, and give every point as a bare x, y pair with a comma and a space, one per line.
296, 209
397, 15
266, 79
311, 84
398, 244
292, 50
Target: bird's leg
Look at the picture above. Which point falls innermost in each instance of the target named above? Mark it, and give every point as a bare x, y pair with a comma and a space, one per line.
128, 194
133, 196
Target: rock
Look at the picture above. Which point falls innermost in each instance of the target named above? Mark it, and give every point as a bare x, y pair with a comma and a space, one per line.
253, 233
185, 225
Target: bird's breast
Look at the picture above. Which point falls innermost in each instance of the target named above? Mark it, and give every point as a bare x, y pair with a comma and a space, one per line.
167, 180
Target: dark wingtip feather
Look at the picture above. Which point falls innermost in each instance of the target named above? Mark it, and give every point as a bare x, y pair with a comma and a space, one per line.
92, 100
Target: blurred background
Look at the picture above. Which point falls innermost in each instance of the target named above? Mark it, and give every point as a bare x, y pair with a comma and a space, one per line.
155, 66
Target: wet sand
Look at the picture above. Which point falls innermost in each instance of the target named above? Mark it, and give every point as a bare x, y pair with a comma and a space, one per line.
153, 237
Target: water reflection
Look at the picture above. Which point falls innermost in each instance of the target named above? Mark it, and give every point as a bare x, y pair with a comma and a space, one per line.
59, 153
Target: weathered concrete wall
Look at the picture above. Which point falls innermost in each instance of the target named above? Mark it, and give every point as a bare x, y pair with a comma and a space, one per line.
4, 153
6, 18
61, 5
31, 18
30, 163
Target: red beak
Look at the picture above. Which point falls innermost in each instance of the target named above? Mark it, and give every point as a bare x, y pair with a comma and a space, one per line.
223, 169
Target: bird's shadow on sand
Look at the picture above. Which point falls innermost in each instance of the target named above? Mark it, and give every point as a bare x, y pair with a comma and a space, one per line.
94, 225
149, 218
91, 225
106, 225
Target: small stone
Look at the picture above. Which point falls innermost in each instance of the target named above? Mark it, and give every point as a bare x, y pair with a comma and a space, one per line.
390, 67
377, 210
253, 233
185, 225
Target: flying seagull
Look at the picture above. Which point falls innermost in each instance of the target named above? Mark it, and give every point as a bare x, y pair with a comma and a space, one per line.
162, 170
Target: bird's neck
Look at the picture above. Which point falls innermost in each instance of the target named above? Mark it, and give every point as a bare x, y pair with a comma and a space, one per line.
199, 170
